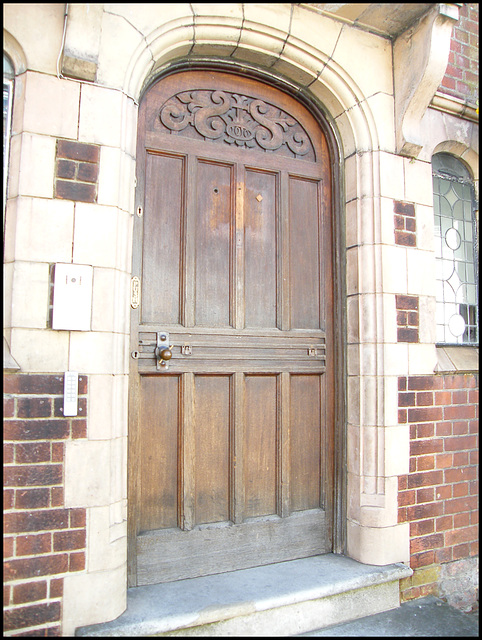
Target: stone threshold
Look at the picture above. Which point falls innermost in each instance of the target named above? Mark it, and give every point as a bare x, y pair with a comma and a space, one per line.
282, 599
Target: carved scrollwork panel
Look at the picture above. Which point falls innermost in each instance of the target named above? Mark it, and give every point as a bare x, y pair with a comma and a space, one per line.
237, 120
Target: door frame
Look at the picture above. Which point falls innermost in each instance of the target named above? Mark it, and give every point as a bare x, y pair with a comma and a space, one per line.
328, 126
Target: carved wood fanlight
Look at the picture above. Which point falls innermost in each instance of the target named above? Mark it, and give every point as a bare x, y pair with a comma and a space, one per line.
236, 119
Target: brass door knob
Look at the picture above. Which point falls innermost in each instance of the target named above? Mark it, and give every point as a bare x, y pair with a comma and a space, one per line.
163, 353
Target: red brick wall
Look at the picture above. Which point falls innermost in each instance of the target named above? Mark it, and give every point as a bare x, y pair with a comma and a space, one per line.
439, 497
462, 75
43, 540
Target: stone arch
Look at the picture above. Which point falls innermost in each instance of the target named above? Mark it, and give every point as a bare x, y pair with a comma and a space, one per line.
313, 74
15, 52
465, 153
277, 53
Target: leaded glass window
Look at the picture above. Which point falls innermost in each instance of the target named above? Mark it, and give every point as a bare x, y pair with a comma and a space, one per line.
456, 251
8, 75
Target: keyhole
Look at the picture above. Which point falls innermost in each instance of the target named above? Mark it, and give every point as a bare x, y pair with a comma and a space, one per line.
216, 190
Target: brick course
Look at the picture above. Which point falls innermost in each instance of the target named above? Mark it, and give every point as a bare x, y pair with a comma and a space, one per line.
77, 171
405, 223
407, 318
439, 497
43, 540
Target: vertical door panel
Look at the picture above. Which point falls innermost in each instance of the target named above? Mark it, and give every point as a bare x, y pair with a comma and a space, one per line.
304, 254
212, 417
159, 414
261, 445
162, 239
213, 241
305, 441
260, 210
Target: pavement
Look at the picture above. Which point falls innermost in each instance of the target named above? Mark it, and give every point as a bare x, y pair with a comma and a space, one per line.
424, 617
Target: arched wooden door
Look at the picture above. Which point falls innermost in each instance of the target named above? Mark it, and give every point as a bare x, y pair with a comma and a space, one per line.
231, 439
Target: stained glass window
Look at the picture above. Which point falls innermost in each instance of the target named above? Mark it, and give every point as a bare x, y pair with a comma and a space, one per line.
456, 251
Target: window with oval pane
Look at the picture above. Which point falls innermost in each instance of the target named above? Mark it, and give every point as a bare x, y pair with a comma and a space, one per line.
456, 251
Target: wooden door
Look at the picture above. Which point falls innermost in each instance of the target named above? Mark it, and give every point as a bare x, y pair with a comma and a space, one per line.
231, 440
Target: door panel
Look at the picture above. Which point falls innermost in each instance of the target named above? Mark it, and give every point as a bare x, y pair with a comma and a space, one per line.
261, 245
305, 442
231, 440
261, 446
213, 244
162, 239
159, 437
304, 255
211, 454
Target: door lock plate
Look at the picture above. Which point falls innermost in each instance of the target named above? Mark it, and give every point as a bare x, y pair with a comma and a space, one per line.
163, 351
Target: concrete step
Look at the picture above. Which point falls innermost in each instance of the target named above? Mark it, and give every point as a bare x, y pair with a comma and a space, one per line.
281, 599
427, 617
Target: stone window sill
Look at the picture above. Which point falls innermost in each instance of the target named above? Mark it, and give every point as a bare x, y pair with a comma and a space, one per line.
457, 359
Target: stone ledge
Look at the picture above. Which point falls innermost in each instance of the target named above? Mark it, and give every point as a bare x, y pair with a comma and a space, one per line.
293, 596
10, 365
460, 359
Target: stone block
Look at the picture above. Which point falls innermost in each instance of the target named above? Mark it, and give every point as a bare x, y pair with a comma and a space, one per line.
371, 68
100, 120
110, 311
30, 295
73, 67
107, 406
82, 603
270, 16
307, 27
39, 350
391, 176
143, 16
118, 44
87, 473
346, 131
40, 230
116, 178
39, 28
394, 269
103, 554
422, 359
97, 232
51, 106
36, 166
379, 546
99, 352
381, 106
418, 181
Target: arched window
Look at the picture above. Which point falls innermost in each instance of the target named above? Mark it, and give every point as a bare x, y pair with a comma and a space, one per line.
8, 76
456, 251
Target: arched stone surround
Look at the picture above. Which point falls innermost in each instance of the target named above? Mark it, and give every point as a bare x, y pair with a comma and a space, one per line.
287, 48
